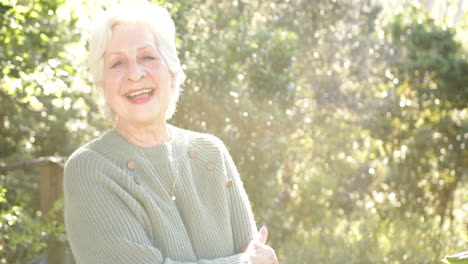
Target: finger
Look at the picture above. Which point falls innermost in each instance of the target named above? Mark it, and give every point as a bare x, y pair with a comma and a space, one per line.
269, 255
262, 235
257, 245
265, 259
263, 254
247, 246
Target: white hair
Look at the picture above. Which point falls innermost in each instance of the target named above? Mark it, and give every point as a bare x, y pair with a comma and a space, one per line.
161, 25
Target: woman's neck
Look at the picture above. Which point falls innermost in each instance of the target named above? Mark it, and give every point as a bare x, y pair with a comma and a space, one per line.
144, 135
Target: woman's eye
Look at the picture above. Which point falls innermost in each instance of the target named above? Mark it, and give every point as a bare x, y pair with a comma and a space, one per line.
116, 64
149, 57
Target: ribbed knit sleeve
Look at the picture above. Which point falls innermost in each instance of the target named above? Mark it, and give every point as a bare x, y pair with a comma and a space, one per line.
100, 226
242, 219
107, 223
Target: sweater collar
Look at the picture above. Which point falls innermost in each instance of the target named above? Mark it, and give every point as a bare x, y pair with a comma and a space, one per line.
124, 149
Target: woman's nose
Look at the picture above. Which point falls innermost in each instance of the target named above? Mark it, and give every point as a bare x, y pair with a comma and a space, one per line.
136, 71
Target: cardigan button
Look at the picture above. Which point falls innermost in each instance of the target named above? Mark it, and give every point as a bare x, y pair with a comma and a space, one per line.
131, 165
210, 165
229, 183
192, 154
137, 181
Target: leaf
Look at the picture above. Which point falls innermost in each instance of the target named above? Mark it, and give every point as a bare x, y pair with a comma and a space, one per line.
464, 235
459, 258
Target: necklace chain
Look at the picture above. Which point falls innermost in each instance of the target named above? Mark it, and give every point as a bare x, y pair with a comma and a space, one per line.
172, 163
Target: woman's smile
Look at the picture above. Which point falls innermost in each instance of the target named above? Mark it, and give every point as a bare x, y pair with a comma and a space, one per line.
140, 96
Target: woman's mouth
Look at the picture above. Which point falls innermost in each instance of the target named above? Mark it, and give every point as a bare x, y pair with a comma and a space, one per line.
140, 96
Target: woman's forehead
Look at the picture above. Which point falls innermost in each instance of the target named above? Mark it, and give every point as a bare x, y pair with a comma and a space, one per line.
111, 51
131, 36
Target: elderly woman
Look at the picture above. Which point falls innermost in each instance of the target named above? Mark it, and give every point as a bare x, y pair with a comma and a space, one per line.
146, 191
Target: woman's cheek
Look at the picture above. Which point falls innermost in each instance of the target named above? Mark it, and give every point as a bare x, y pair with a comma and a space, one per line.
115, 78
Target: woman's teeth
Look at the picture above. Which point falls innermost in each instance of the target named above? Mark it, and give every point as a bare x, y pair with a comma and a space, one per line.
136, 93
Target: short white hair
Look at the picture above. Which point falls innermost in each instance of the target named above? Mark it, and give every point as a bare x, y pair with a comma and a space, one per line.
161, 25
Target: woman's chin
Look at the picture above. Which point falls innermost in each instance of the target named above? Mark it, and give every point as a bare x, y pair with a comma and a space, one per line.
144, 119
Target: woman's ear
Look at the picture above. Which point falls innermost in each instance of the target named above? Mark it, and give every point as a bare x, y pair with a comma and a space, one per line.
100, 91
101, 87
100, 84
172, 81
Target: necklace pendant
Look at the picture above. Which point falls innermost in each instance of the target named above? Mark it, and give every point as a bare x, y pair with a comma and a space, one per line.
173, 198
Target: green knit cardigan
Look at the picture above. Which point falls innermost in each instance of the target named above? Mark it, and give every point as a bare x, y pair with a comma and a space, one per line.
119, 210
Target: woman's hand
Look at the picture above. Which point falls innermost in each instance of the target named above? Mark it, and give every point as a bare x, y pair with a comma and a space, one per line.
258, 252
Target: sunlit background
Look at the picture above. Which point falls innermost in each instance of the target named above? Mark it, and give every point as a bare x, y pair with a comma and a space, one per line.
347, 119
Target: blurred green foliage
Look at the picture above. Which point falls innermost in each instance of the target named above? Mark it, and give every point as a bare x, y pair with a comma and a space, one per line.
460, 258
348, 123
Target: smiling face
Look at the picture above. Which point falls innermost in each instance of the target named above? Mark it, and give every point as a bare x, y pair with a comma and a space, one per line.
137, 82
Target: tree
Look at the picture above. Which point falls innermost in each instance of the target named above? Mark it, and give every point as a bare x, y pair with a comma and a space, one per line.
40, 114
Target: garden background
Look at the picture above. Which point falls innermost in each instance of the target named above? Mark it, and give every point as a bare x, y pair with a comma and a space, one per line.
347, 119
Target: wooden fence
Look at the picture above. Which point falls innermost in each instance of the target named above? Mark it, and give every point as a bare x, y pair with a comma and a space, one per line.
50, 190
